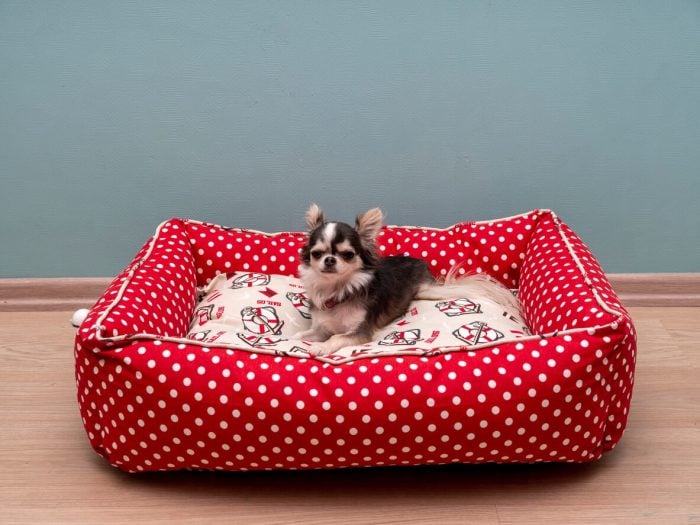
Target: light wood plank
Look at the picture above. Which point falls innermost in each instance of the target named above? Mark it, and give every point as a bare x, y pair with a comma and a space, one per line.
48, 473
51, 294
657, 289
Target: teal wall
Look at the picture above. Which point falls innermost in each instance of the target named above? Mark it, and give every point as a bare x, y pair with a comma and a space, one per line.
116, 115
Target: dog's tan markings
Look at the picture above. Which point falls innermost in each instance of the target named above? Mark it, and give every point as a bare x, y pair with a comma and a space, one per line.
319, 246
344, 246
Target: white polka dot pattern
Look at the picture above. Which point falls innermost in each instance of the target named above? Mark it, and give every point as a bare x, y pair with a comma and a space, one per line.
151, 403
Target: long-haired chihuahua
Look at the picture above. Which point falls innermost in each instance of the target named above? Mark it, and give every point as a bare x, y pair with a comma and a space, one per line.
354, 292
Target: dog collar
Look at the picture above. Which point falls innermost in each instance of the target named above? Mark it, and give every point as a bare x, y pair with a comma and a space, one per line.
333, 302
330, 304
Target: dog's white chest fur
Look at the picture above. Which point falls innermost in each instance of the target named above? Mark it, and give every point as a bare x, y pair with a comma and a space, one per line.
342, 318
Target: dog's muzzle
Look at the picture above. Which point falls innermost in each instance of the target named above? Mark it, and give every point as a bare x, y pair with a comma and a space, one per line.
329, 264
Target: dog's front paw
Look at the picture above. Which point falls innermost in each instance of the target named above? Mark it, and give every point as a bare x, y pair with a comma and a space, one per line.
336, 342
322, 349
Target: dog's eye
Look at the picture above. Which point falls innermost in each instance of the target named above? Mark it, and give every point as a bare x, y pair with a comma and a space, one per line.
316, 254
347, 256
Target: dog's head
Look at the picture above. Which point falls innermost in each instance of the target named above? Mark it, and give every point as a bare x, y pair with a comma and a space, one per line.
335, 250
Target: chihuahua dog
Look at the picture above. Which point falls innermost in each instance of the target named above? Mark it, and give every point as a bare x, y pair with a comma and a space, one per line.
353, 292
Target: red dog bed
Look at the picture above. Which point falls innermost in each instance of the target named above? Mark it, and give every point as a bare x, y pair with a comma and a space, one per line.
157, 393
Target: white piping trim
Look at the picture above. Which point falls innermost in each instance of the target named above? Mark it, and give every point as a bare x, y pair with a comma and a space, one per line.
439, 350
443, 350
99, 327
605, 306
539, 212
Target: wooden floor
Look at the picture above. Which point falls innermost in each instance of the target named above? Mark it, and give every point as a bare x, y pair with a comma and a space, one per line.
48, 473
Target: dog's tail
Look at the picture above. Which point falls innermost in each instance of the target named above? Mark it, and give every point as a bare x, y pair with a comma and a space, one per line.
479, 285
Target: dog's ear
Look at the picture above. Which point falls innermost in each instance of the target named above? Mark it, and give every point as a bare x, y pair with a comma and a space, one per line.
314, 217
369, 225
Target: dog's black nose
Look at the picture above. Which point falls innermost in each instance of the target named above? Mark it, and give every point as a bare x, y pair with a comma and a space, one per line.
329, 262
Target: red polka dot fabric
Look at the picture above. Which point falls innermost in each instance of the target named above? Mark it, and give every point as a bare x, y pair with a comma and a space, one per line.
152, 400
